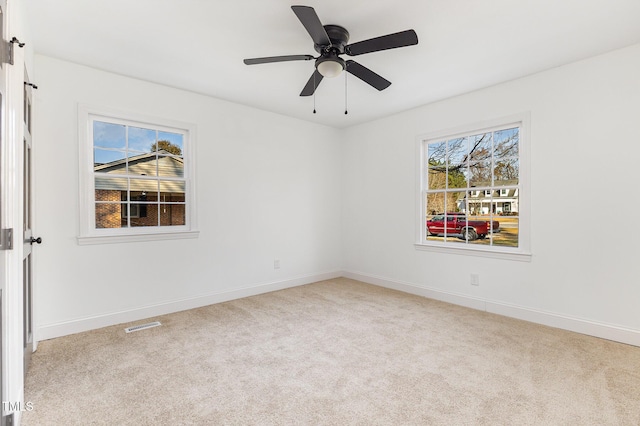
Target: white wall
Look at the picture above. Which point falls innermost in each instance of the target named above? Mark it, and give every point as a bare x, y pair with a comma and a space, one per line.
585, 148
268, 187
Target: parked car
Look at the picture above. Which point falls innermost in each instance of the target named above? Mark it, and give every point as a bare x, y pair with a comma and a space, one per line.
458, 225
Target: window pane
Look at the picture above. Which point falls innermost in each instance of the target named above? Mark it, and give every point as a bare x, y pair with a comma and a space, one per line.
506, 143
129, 210
172, 214
435, 203
480, 147
507, 204
143, 196
457, 151
147, 215
437, 177
480, 174
479, 229
141, 140
172, 143
435, 227
170, 166
437, 153
109, 161
480, 204
172, 197
148, 186
508, 232
456, 224
108, 135
108, 215
143, 164
456, 201
457, 176
110, 189
170, 188
506, 172
474, 202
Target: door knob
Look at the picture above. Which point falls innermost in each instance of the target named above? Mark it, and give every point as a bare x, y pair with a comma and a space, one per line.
35, 240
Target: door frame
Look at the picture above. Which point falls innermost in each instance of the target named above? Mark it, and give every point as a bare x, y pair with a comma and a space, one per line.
11, 211
5, 197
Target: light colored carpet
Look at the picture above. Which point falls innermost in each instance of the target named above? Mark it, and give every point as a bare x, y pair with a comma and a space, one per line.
337, 352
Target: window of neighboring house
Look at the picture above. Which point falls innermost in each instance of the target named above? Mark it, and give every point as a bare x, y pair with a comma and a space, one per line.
476, 181
136, 178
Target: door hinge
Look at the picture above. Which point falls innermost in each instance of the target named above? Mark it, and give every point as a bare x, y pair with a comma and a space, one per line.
7, 50
6, 239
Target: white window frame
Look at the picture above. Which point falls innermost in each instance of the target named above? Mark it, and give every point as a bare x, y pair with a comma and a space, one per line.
523, 251
88, 233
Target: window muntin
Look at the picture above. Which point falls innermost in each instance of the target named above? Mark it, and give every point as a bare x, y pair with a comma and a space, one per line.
136, 177
470, 181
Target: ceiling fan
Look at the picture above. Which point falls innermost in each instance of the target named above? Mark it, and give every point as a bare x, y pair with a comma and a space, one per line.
330, 41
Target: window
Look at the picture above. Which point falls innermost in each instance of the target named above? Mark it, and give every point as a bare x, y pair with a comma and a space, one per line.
476, 181
136, 178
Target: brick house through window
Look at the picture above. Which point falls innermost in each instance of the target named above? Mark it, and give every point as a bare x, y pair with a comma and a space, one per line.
143, 190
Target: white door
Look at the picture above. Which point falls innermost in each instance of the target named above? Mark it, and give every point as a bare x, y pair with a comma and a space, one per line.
29, 240
4, 208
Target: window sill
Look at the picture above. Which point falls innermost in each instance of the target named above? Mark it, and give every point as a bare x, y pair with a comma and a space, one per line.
471, 251
129, 238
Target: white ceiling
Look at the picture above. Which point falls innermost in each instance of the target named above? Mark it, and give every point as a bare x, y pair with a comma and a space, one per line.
199, 45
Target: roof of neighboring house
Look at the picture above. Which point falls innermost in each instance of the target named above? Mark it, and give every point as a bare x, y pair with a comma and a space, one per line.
156, 165
136, 159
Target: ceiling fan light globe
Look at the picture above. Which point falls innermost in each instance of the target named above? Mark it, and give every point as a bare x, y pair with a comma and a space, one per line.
330, 68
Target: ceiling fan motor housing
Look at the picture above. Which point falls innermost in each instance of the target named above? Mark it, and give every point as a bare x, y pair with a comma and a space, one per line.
339, 37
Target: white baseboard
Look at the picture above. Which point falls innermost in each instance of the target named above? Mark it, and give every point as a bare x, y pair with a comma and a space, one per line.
79, 325
578, 325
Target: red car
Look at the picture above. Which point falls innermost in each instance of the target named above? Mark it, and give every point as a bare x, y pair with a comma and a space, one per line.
459, 225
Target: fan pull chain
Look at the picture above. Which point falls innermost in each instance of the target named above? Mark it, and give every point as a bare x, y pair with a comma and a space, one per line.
314, 92
345, 94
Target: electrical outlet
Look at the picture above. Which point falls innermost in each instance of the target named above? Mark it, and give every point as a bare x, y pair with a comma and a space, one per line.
475, 279
276, 264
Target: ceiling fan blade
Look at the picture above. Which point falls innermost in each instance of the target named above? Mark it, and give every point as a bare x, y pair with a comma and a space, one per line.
389, 41
366, 75
307, 15
266, 60
312, 84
